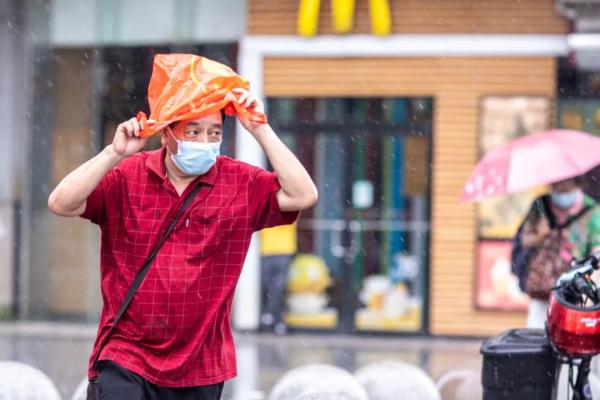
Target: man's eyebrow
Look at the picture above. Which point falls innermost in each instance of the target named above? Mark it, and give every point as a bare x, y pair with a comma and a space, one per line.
196, 124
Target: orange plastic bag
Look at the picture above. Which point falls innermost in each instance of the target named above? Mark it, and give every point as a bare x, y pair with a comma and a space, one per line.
186, 86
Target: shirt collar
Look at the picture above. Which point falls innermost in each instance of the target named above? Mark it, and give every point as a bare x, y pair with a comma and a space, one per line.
156, 163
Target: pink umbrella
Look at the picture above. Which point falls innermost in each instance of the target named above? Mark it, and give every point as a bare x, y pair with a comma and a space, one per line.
532, 160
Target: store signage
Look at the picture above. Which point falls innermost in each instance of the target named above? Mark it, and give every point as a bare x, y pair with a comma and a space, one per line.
342, 14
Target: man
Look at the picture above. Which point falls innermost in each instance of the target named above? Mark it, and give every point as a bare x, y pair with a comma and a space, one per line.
175, 340
277, 247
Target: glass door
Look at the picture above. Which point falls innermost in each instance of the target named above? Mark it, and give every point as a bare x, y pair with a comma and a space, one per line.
362, 250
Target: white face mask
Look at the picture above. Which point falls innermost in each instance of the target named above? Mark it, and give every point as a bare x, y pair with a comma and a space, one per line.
195, 158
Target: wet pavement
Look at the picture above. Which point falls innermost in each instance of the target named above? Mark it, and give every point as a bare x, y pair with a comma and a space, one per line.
61, 352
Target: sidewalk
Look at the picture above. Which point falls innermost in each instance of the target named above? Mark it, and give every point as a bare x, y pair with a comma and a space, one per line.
61, 351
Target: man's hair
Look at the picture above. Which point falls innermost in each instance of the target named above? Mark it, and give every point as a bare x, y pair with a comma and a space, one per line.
172, 124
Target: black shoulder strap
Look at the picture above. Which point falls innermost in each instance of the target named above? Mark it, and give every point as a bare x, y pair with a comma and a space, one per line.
547, 210
139, 277
575, 217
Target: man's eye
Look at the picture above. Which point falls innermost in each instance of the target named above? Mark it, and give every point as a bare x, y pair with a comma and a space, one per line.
215, 133
192, 133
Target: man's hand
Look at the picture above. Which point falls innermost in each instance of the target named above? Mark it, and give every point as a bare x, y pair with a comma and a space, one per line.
127, 140
250, 102
298, 191
69, 198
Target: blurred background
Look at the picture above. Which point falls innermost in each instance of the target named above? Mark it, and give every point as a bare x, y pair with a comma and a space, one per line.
389, 105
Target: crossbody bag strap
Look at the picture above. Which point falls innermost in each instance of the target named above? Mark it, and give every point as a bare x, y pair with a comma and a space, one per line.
575, 217
139, 277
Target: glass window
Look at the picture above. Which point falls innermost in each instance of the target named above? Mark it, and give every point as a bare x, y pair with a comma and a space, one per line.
578, 107
361, 257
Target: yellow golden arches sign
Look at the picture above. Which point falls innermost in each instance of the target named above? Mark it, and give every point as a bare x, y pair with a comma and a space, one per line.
342, 12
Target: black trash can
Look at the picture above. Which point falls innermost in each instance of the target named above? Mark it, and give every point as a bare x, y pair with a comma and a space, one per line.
518, 364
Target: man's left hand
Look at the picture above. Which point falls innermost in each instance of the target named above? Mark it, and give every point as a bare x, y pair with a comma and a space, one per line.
250, 102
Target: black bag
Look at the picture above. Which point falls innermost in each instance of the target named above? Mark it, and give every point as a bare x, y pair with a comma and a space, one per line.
137, 281
518, 364
519, 261
520, 256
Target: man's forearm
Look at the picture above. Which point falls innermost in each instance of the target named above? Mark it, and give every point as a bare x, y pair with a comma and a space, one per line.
69, 197
299, 190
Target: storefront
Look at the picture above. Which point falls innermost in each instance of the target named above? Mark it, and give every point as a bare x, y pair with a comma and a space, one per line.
402, 253
389, 126
578, 107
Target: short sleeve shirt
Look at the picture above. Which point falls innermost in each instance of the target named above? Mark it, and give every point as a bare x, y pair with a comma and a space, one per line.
176, 331
585, 233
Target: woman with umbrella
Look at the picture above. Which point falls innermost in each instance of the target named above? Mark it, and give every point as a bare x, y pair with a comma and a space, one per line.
560, 225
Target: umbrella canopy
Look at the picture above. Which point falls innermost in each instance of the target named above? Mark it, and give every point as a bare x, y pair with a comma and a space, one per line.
532, 160
186, 86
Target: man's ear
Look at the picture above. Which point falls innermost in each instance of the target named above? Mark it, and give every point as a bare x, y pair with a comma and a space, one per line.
167, 138
163, 136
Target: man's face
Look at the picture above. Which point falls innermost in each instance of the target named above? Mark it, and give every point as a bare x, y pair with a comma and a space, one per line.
208, 129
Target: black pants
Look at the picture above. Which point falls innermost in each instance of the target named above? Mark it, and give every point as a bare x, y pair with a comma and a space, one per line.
117, 383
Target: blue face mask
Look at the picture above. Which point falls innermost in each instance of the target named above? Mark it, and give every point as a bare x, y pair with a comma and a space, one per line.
564, 200
195, 158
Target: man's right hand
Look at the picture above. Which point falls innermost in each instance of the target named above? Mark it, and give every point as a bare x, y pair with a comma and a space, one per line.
127, 140
69, 198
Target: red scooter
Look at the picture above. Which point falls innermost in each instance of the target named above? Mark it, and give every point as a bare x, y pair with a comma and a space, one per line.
573, 324
521, 364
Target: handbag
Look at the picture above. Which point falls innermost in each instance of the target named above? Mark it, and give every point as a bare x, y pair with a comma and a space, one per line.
520, 256
137, 281
546, 263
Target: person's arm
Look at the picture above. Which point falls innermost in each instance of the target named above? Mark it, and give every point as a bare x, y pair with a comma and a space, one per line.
69, 198
594, 230
298, 191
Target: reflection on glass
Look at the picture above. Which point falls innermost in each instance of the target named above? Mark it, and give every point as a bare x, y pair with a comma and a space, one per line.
362, 251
